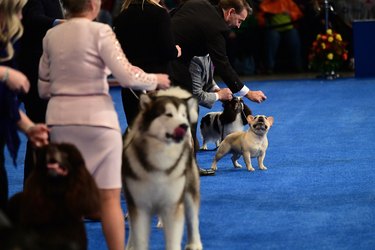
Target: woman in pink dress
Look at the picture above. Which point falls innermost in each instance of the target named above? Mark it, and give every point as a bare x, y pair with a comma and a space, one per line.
78, 55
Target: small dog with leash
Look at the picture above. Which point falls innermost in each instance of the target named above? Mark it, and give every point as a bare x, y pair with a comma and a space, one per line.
215, 126
160, 174
250, 144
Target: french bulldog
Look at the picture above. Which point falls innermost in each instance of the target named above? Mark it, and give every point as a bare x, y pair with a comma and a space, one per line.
250, 144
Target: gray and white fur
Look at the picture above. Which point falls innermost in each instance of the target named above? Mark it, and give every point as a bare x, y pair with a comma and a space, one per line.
160, 174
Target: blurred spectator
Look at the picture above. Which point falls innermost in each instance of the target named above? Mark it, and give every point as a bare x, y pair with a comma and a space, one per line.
309, 26
105, 14
278, 18
350, 10
242, 46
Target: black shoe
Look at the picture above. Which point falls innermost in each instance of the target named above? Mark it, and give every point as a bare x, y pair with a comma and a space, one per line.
206, 172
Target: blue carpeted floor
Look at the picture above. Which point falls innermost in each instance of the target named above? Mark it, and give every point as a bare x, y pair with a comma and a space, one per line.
319, 189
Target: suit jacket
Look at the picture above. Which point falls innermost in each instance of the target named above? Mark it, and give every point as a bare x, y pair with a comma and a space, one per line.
199, 28
78, 55
204, 85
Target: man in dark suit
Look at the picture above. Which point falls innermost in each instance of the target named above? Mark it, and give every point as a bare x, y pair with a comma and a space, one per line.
201, 28
38, 17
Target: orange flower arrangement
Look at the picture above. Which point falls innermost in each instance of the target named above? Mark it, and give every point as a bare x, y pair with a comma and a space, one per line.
328, 53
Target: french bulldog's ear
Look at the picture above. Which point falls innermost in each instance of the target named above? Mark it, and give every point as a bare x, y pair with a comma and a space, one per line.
270, 120
250, 119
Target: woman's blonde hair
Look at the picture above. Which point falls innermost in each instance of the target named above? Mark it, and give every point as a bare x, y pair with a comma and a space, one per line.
126, 3
10, 26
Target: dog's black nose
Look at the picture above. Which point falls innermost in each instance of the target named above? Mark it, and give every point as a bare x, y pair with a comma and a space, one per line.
184, 126
260, 119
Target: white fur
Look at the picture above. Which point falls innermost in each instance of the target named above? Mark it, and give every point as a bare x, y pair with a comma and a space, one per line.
159, 186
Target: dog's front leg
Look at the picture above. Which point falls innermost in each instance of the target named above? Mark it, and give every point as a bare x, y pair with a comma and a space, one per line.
260, 161
235, 158
247, 158
173, 224
192, 222
139, 230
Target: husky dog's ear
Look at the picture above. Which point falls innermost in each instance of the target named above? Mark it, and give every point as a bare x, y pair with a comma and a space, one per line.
144, 101
192, 105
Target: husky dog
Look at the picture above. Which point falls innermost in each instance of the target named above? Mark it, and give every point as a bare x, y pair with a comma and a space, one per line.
215, 126
160, 173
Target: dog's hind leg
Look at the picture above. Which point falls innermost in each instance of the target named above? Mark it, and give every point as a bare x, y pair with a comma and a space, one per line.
235, 158
139, 230
192, 222
220, 153
173, 225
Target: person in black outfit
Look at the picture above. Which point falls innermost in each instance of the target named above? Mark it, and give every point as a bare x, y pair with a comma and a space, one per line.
201, 28
38, 17
143, 29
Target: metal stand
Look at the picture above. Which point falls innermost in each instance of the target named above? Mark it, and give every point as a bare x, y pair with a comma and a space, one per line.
326, 14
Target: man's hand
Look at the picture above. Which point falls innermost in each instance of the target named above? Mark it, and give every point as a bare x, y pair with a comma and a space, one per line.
225, 94
256, 96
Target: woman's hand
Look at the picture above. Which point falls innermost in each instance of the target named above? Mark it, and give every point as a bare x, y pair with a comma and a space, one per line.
163, 81
16, 81
38, 134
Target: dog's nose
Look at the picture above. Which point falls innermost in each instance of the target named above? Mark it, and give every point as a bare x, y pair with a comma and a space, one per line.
260, 119
184, 126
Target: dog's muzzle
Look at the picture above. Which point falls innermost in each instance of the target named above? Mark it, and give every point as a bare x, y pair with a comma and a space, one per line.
260, 124
178, 133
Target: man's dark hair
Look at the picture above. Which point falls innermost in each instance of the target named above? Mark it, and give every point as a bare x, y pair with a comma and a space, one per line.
238, 5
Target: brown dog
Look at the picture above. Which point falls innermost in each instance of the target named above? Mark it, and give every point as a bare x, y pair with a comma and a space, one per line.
57, 195
250, 144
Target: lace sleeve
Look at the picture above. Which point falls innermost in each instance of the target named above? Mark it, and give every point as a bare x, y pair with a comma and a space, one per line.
126, 74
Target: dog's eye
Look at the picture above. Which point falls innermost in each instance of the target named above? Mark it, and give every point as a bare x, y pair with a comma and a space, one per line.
168, 114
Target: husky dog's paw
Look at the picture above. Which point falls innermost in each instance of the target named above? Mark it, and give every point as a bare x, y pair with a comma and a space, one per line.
194, 246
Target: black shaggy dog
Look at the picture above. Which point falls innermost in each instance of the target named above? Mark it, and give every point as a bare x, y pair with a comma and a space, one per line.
215, 126
57, 195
